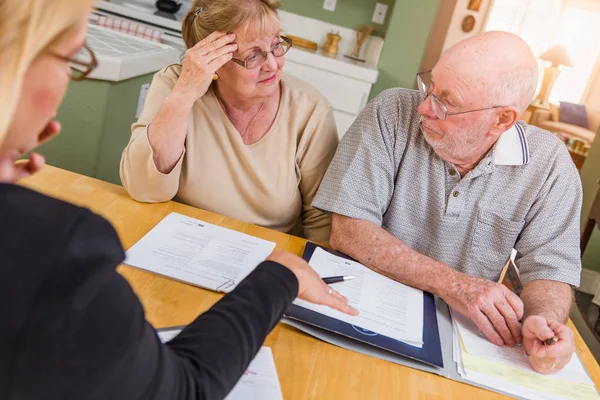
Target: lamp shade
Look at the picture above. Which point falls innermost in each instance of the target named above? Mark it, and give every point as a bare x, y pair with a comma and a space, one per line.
557, 55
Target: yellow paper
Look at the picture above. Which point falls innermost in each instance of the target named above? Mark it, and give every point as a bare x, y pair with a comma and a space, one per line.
534, 381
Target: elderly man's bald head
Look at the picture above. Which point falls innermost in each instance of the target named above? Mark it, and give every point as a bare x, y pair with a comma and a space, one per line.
497, 67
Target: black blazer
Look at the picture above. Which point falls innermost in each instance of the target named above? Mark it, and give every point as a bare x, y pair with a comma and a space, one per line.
72, 328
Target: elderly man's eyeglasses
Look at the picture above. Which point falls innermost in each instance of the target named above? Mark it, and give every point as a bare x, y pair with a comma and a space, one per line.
257, 58
440, 110
82, 63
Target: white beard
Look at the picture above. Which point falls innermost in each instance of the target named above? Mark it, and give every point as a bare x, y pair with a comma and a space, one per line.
455, 147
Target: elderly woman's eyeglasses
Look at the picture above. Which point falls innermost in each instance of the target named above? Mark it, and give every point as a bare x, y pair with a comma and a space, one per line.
440, 110
257, 58
82, 63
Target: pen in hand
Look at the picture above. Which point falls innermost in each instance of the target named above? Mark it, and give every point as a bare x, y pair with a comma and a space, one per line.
336, 279
550, 341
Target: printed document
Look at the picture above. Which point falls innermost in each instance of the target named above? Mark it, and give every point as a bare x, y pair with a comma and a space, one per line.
196, 252
260, 381
386, 307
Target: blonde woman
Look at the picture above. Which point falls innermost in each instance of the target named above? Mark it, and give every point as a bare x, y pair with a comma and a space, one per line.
228, 132
71, 327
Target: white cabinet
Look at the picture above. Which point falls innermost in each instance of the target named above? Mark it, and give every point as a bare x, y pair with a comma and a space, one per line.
345, 85
344, 82
345, 94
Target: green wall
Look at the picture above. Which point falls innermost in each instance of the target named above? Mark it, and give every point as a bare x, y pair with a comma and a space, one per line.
409, 27
96, 119
590, 173
120, 114
348, 13
81, 115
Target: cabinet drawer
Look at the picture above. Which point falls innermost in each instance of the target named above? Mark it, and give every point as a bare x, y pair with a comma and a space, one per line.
345, 94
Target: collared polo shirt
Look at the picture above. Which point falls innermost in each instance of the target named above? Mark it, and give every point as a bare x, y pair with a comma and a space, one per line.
524, 194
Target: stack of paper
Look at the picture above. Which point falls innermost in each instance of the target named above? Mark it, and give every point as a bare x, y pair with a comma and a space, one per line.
386, 307
259, 382
507, 369
196, 252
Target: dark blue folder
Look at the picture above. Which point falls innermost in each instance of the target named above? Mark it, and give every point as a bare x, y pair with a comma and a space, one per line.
430, 353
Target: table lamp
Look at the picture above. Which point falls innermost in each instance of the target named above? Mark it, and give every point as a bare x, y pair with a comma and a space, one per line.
557, 55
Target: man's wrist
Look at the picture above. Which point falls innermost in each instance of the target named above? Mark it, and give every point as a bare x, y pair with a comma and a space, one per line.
445, 283
546, 314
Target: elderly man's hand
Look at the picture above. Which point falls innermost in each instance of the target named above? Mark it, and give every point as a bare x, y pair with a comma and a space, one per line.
493, 307
551, 358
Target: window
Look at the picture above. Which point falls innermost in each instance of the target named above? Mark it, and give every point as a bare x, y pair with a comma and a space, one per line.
533, 20
578, 31
574, 24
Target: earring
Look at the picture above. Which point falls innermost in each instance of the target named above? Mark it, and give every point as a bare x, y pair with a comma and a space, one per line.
215, 77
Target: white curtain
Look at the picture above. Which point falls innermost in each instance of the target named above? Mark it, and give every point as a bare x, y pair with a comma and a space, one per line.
574, 24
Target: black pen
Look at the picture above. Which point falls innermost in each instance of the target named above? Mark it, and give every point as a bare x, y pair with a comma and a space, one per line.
550, 341
336, 279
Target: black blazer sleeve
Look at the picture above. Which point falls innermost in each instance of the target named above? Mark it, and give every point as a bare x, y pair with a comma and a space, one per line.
84, 334
214, 351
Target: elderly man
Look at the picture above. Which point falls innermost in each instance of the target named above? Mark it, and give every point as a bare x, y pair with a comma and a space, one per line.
434, 188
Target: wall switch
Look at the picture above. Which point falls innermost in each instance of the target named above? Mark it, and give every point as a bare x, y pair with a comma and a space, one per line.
379, 14
329, 5
142, 99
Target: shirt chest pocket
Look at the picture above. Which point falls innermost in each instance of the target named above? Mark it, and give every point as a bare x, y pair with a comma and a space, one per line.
493, 239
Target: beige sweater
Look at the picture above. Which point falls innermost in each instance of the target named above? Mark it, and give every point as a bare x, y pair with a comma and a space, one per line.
270, 183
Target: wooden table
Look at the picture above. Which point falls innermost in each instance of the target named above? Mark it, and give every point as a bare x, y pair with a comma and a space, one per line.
308, 368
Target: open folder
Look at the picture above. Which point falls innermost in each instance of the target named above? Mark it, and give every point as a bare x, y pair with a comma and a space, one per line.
393, 317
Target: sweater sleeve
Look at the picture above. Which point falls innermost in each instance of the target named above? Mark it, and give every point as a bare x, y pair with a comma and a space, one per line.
87, 336
139, 175
317, 148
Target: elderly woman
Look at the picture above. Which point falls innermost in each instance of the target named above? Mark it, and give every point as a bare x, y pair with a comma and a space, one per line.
72, 327
227, 132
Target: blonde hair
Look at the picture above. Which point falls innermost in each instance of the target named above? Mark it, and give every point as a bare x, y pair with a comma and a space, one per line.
28, 28
208, 16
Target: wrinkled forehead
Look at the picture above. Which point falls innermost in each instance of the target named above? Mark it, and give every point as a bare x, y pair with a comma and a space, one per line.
259, 32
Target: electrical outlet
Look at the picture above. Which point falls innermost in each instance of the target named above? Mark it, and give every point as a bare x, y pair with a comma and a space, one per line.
142, 99
329, 5
379, 14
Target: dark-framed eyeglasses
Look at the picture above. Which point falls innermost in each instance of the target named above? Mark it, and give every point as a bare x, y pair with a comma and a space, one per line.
440, 110
257, 58
82, 63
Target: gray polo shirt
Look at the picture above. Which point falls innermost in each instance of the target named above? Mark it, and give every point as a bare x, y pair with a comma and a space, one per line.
524, 194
